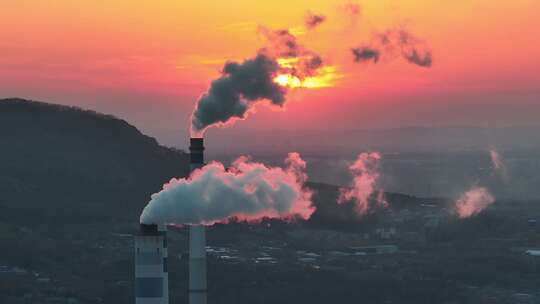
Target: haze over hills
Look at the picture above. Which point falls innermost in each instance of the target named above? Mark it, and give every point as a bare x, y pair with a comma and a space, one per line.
73, 183
65, 154
344, 143
65, 162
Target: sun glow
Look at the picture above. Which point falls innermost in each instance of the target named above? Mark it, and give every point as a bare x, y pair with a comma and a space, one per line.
288, 80
323, 77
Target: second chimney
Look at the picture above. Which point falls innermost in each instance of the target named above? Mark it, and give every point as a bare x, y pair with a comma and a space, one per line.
197, 237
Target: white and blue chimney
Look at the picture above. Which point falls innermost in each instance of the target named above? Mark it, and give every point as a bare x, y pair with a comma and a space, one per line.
151, 276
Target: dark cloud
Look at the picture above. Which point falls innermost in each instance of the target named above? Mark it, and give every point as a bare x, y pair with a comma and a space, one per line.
413, 49
362, 54
281, 43
241, 85
313, 20
395, 42
233, 94
423, 60
313, 62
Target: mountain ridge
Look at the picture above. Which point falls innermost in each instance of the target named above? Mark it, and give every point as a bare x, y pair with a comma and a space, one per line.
54, 155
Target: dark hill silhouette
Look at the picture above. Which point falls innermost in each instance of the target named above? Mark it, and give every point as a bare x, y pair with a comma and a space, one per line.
59, 161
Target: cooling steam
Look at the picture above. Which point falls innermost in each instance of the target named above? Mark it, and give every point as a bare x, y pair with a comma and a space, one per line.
473, 202
366, 175
498, 164
477, 198
247, 191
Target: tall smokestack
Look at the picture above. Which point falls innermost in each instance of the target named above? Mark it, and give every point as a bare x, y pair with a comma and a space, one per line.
197, 237
151, 279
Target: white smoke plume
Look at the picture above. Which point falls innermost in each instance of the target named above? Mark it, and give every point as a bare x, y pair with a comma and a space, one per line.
247, 191
498, 164
473, 202
366, 175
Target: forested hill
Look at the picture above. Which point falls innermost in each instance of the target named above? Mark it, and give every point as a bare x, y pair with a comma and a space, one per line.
64, 162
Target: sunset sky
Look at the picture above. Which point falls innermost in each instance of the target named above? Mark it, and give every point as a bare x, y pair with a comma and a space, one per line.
149, 61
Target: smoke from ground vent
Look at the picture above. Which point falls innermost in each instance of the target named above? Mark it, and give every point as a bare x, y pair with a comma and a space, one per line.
413, 56
473, 202
366, 175
498, 164
247, 191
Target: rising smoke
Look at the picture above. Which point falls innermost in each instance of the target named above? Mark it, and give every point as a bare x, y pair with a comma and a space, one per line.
392, 42
498, 164
365, 171
283, 44
247, 191
241, 85
313, 20
233, 94
473, 202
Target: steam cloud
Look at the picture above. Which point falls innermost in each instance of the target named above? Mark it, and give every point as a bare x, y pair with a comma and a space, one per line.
241, 85
473, 202
366, 174
247, 191
498, 164
409, 47
313, 20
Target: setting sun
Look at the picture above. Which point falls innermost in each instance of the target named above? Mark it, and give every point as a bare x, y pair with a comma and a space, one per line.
323, 77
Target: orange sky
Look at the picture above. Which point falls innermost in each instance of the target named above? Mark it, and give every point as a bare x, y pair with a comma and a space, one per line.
148, 61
